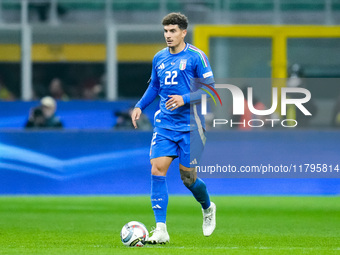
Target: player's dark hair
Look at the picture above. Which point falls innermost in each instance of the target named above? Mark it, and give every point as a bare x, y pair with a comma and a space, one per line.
176, 18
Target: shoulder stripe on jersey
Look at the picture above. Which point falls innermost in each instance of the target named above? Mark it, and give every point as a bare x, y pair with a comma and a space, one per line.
202, 57
186, 47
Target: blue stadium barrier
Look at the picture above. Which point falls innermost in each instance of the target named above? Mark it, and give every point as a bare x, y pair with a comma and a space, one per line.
109, 162
74, 114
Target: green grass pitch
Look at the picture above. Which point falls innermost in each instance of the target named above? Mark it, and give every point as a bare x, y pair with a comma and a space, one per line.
245, 225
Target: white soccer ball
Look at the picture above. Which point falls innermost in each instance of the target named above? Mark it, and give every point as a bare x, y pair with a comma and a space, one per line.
134, 233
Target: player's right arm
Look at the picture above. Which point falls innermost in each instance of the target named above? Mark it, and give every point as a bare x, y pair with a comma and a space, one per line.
148, 97
135, 115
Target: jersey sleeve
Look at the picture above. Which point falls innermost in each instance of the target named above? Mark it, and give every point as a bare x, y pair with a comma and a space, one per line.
152, 90
154, 81
204, 75
203, 69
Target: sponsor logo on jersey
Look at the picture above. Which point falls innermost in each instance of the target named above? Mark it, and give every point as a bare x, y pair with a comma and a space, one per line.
162, 66
208, 74
183, 64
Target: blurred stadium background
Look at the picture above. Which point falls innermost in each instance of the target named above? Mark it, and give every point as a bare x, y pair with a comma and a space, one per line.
100, 52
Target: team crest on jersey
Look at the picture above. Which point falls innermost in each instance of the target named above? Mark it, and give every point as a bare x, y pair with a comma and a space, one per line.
183, 64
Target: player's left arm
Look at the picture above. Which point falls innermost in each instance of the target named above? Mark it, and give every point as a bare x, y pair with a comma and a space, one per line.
203, 81
198, 88
204, 76
177, 101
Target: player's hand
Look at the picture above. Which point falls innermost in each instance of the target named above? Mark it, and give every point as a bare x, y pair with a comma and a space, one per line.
135, 115
174, 102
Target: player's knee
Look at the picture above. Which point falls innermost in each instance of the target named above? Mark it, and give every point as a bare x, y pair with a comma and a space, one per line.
188, 177
157, 169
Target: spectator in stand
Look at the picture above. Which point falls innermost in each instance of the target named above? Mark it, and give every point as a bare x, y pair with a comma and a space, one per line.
56, 90
95, 92
43, 10
44, 116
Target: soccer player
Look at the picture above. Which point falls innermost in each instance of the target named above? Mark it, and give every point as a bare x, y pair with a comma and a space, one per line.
178, 127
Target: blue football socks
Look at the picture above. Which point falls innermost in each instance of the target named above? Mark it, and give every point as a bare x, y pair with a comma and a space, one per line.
159, 197
200, 192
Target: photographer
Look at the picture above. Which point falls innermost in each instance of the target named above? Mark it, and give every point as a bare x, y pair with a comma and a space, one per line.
43, 116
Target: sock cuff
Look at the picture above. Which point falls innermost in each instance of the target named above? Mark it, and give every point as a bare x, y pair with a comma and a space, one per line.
158, 178
197, 182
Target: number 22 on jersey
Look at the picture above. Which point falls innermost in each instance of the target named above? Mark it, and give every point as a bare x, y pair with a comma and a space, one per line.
170, 78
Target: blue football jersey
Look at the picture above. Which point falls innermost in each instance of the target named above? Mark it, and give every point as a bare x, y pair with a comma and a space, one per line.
172, 74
